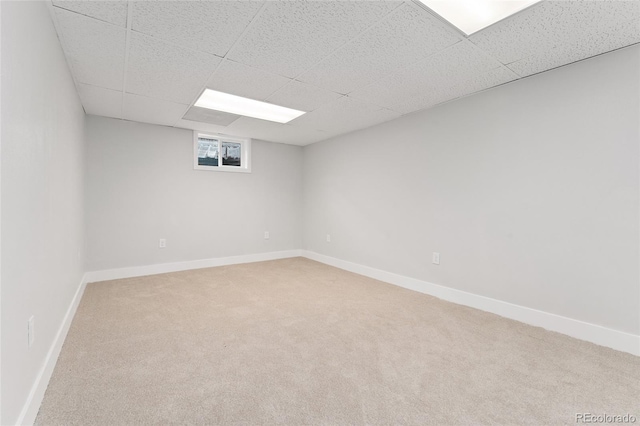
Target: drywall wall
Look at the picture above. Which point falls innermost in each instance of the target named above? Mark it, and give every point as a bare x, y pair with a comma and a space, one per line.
42, 196
141, 186
529, 192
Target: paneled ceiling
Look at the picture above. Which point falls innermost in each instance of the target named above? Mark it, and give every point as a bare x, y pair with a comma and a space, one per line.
349, 64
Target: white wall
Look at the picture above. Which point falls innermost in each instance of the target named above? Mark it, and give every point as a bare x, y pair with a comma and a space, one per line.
42, 191
530, 192
141, 186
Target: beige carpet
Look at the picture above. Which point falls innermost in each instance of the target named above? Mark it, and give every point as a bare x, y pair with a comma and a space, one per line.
297, 342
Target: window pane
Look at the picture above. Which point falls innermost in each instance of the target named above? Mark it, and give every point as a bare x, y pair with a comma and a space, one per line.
207, 152
231, 154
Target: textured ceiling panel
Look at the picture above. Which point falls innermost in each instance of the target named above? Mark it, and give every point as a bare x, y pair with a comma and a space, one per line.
291, 36
242, 80
455, 65
617, 36
208, 26
553, 23
154, 111
443, 93
391, 57
408, 35
344, 115
95, 50
114, 12
275, 132
301, 96
159, 70
99, 101
205, 115
203, 127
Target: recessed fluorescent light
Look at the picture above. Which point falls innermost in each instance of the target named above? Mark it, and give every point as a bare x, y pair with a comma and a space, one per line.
248, 107
473, 15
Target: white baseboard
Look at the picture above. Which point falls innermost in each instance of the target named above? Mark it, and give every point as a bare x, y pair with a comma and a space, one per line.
599, 335
32, 405
163, 268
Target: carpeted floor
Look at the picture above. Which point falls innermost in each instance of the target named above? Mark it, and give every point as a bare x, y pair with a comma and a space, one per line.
300, 343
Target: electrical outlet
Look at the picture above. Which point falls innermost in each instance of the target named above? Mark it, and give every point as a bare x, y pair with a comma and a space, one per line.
163, 243
436, 258
266, 235
31, 337
328, 238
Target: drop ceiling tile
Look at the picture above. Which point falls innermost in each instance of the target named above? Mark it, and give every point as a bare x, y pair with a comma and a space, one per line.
303, 97
242, 80
100, 101
291, 36
550, 24
114, 11
205, 115
443, 93
275, 132
344, 115
208, 26
154, 111
163, 71
95, 50
203, 127
449, 67
406, 36
615, 37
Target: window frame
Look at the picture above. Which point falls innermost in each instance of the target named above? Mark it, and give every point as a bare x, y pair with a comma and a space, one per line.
245, 149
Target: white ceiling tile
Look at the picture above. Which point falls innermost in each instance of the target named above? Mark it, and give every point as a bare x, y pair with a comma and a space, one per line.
447, 68
208, 26
550, 24
406, 36
344, 115
100, 101
302, 96
203, 127
205, 115
154, 111
444, 93
242, 80
617, 36
275, 132
291, 36
113, 11
94, 49
163, 71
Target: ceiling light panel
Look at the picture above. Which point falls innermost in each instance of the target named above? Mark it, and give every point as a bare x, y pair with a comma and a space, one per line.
233, 104
470, 16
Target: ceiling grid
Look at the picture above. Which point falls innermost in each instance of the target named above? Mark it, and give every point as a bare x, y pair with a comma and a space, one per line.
348, 64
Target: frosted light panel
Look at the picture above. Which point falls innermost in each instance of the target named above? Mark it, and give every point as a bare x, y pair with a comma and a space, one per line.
471, 16
225, 102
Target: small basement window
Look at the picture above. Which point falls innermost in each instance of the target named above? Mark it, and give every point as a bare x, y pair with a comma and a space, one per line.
221, 153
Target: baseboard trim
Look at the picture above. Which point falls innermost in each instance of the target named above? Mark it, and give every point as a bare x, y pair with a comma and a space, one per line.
163, 268
32, 405
599, 335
